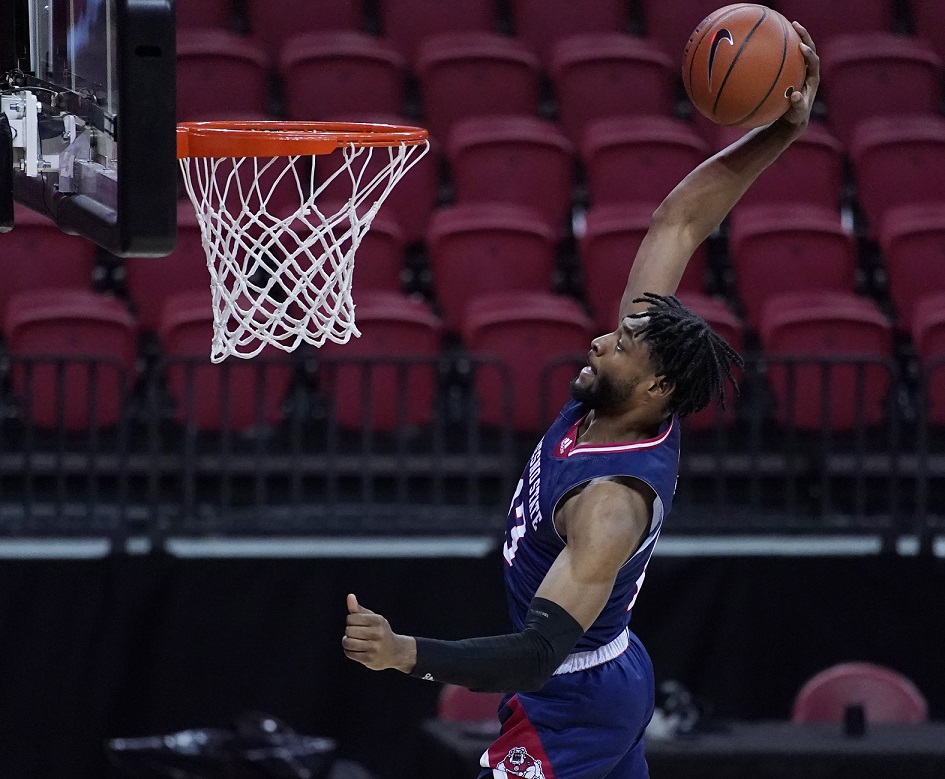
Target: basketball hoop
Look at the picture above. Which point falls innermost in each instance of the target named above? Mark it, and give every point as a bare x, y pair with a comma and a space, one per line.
281, 272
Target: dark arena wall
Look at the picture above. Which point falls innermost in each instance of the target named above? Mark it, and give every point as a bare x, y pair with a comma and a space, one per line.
129, 646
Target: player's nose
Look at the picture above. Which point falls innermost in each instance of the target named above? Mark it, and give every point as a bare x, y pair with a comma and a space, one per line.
600, 344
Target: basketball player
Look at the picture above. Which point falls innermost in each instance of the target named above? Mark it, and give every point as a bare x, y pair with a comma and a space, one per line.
590, 505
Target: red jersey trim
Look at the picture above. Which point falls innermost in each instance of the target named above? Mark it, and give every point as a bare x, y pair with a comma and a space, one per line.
568, 446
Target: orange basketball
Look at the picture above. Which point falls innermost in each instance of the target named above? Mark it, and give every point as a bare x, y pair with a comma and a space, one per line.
742, 64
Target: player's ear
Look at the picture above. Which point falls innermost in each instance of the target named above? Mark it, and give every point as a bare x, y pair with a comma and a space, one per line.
660, 389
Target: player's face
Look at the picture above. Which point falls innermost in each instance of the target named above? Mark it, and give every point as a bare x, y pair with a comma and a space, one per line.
618, 365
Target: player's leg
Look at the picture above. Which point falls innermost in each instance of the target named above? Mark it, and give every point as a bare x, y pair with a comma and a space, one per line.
633, 765
579, 725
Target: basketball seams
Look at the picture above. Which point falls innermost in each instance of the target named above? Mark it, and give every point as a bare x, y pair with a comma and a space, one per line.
718, 96
746, 81
712, 26
784, 34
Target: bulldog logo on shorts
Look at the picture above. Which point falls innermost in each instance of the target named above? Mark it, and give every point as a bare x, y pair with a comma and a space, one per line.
519, 763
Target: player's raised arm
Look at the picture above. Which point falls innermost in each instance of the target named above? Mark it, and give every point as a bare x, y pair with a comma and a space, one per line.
701, 201
605, 524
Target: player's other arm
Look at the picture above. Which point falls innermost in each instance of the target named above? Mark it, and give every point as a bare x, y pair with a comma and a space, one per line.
701, 201
605, 524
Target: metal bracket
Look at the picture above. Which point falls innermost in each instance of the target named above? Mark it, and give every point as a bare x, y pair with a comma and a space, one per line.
6, 174
22, 110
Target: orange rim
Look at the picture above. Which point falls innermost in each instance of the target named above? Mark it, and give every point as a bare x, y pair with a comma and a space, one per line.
282, 139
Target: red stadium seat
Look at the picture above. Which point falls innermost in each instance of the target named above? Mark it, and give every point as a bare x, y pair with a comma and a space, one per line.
96, 339
895, 163
220, 71
612, 236
929, 18
726, 324
513, 159
333, 73
913, 243
885, 695
197, 14
810, 171
638, 159
799, 331
530, 337
669, 23
410, 204
776, 249
463, 75
540, 24
840, 17
407, 23
273, 24
36, 254
483, 248
928, 334
386, 379
234, 395
150, 281
900, 75
640, 79
457, 704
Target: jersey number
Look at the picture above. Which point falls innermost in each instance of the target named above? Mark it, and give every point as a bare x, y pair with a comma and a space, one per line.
518, 529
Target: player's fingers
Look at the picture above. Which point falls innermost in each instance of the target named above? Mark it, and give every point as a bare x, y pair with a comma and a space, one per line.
365, 633
813, 63
358, 646
358, 657
364, 620
805, 36
354, 607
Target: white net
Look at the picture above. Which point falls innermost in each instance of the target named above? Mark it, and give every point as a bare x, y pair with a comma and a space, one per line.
281, 263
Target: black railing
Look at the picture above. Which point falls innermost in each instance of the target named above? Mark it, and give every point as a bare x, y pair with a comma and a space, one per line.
302, 445
930, 452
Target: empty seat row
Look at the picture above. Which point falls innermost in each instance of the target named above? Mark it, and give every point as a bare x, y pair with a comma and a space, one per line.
332, 75
672, 21
529, 161
405, 24
74, 355
829, 361
477, 248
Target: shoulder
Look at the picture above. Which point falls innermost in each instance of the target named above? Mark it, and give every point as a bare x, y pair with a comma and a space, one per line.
614, 509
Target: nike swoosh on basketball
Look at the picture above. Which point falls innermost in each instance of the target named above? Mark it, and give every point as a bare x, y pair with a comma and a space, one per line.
721, 35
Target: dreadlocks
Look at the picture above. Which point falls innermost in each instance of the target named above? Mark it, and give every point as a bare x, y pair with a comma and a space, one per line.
687, 352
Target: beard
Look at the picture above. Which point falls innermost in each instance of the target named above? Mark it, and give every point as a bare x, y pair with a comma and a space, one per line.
603, 394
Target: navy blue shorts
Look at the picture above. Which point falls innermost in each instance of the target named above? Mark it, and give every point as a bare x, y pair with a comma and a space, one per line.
583, 725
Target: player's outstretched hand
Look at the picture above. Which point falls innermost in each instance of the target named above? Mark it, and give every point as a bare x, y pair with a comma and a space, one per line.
802, 101
370, 641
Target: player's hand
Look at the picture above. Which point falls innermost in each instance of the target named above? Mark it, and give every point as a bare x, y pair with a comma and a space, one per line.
802, 101
370, 641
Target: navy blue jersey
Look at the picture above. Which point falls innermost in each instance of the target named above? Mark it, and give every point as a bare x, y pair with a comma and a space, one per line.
556, 467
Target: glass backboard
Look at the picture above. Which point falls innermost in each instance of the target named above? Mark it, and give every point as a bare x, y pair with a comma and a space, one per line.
88, 91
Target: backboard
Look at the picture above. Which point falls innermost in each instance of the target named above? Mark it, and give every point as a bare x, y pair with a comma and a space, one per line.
88, 91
